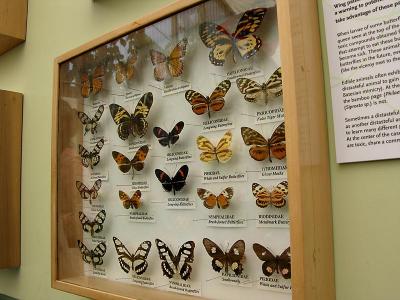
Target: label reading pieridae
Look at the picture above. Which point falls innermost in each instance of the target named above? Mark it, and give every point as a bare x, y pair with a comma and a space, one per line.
226, 220
214, 176
275, 283
275, 170
217, 123
233, 279
180, 203
178, 157
175, 87
185, 287
270, 115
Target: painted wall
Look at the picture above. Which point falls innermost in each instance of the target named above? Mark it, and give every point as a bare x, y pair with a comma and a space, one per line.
365, 195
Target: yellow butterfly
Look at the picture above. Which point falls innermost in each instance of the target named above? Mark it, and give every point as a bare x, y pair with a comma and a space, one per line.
220, 153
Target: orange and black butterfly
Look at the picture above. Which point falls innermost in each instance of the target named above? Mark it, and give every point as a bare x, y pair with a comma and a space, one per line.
131, 202
91, 124
281, 264
276, 197
262, 148
87, 193
94, 226
91, 159
168, 138
134, 124
126, 71
172, 64
95, 256
210, 200
201, 104
175, 183
242, 41
225, 260
92, 83
137, 163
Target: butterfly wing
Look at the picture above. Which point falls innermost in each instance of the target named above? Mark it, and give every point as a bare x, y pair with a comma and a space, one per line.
86, 253
273, 87
210, 200
130, 65
125, 258
263, 196
139, 126
174, 134
159, 61
224, 198
83, 190
140, 263
217, 100
134, 202
179, 180
284, 264
175, 60
85, 120
120, 72
86, 224
162, 136
165, 180
85, 156
124, 164
209, 151
253, 92
85, 85
94, 191
219, 258
235, 257
98, 254
270, 262
277, 142
122, 118
94, 155
138, 160
259, 149
223, 151
184, 257
167, 259
198, 102
99, 220
97, 79
279, 194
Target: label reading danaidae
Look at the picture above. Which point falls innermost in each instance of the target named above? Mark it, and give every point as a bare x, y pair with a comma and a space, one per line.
175, 87
279, 220
133, 95
185, 287
233, 279
224, 176
143, 186
274, 170
270, 115
141, 217
98, 175
226, 220
178, 157
142, 280
180, 203
215, 124
275, 283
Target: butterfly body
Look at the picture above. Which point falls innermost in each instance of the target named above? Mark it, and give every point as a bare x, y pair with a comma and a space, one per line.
137, 163
221, 153
94, 226
92, 83
179, 264
131, 202
132, 124
91, 159
211, 200
136, 262
168, 138
281, 264
95, 256
276, 197
226, 260
91, 124
87, 193
175, 183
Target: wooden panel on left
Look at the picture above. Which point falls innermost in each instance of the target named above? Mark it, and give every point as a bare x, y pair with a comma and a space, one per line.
10, 178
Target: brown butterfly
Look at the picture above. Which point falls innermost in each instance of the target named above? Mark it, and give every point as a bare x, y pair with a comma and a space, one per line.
126, 71
94, 226
91, 124
91, 159
210, 200
137, 163
130, 202
276, 197
224, 260
92, 82
94, 257
280, 264
173, 64
87, 193
262, 148
202, 105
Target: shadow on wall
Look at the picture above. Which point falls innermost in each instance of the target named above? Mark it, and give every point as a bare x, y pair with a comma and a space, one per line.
4, 297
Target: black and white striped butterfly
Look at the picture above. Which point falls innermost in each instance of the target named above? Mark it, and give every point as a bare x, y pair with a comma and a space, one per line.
87, 193
179, 264
94, 226
95, 256
137, 262
91, 159
91, 124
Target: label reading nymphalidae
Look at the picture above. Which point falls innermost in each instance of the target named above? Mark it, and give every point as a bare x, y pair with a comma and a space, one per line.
213, 176
226, 220
133, 95
275, 283
274, 170
279, 220
185, 287
94, 175
270, 115
178, 157
141, 217
180, 203
233, 279
218, 123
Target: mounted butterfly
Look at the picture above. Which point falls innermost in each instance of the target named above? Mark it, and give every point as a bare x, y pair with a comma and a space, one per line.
91, 124
221, 153
92, 158
276, 197
137, 162
211, 200
92, 83
95, 256
125, 71
175, 183
281, 264
131, 202
137, 262
168, 138
94, 226
87, 193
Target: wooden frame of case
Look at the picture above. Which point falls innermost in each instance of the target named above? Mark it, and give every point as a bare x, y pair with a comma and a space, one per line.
307, 148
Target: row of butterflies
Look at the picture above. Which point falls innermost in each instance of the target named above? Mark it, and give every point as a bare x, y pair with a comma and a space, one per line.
214, 36
180, 264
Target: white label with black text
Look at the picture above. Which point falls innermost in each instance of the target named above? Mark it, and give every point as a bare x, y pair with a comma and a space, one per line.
175, 87
270, 115
180, 203
274, 170
224, 176
178, 157
216, 124
275, 283
226, 220
185, 287
233, 279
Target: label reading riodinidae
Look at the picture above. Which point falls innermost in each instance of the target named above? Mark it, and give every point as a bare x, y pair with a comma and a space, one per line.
180, 203
275, 283
224, 176
226, 220
279, 220
175, 87
233, 279
141, 217
178, 157
275, 170
185, 287
270, 115
219, 123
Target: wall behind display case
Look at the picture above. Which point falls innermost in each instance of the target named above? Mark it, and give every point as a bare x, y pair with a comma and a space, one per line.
366, 196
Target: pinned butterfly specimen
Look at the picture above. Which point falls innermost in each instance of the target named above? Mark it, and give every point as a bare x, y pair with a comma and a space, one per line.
224, 260
137, 163
171, 264
280, 264
176, 183
210, 200
91, 124
262, 148
94, 226
255, 92
276, 197
241, 40
131, 202
137, 262
172, 64
91, 159
168, 138
136, 123
221, 153
92, 83
87, 193
126, 71
94, 257
201, 104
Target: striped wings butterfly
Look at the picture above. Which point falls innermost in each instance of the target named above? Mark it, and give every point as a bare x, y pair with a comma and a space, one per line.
210, 200
126, 71
168, 138
93, 82
137, 163
87, 193
175, 183
201, 104
262, 148
94, 226
91, 124
276, 197
134, 124
221, 152
242, 40
179, 264
255, 92
172, 64
95, 256
137, 262
281, 264
92, 158
131, 202
225, 260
